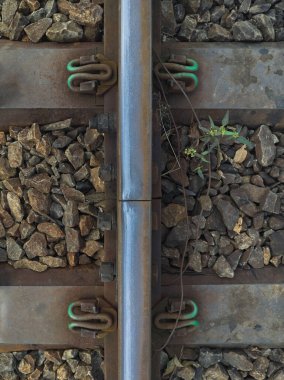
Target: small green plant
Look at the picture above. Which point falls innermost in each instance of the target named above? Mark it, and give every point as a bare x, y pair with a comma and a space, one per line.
211, 138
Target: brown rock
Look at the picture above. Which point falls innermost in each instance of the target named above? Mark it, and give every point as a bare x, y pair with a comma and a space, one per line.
30, 264
2, 230
84, 260
26, 229
58, 126
64, 372
15, 154
36, 246
71, 194
73, 258
223, 268
172, 214
265, 148
6, 171
53, 357
71, 214
14, 251
14, 231
84, 13
36, 30
15, 206
194, 261
14, 186
82, 173
6, 218
2, 138
35, 375
276, 261
73, 242
43, 146
17, 26
51, 229
179, 175
75, 155
53, 262
34, 134
86, 223
91, 247
60, 248
38, 201
266, 255
97, 182
27, 365
41, 182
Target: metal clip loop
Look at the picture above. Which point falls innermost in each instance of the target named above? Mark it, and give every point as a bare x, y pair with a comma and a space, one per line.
93, 74
182, 69
167, 320
88, 318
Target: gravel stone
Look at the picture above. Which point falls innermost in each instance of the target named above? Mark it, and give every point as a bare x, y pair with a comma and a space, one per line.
187, 27
50, 229
27, 365
85, 12
30, 264
38, 201
67, 31
17, 26
229, 213
14, 250
260, 367
15, 154
9, 9
50, 8
264, 146
265, 25
72, 239
83, 372
217, 372
246, 31
168, 17
7, 362
208, 357
276, 243
259, 8
179, 12
172, 214
40, 182
256, 259
5, 169
237, 360
37, 30
223, 268
218, 33
15, 206
53, 262
36, 246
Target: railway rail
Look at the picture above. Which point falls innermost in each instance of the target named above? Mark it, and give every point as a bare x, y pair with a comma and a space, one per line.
116, 305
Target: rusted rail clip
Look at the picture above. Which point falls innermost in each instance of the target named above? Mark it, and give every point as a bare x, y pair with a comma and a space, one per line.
179, 69
92, 318
166, 320
93, 74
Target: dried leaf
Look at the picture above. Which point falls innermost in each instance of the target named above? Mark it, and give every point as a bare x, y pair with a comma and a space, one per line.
171, 366
240, 155
239, 225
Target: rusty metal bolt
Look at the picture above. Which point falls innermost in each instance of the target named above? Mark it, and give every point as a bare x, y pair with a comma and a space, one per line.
103, 122
107, 271
105, 221
107, 173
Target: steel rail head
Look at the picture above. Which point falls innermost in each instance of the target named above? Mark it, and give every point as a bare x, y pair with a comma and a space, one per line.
135, 189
